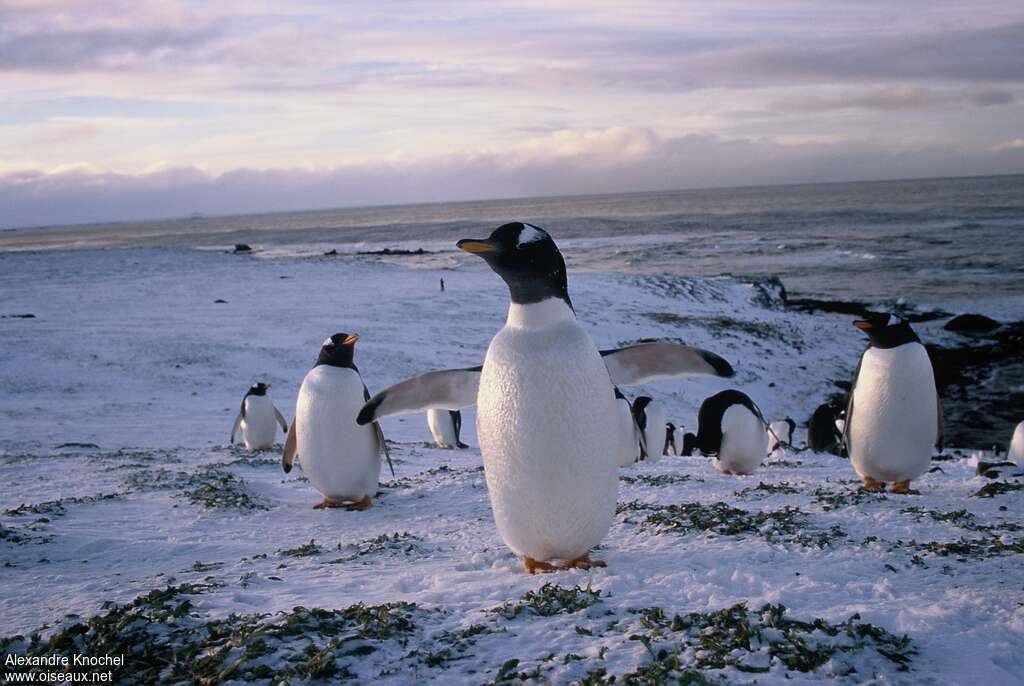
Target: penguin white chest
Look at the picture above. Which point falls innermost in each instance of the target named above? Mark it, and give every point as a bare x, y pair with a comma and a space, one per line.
654, 432
548, 427
895, 414
1016, 450
259, 426
744, 441
629, 439
442, 428
339, 457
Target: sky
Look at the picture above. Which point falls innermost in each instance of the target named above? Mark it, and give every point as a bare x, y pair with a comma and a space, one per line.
133, 109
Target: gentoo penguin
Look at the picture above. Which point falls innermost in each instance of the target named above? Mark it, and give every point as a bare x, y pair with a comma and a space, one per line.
445, 425
632, 442
340, 458
670, 447
732, 430
822, 435
548, 421
894, 417
780, 434
1016, 450
258, 419
650, 418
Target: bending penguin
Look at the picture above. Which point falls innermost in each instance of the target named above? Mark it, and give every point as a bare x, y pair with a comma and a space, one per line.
732, 430
894, 417
340, 458
650, 419
258, 419
781, 434
445, 426
548, 421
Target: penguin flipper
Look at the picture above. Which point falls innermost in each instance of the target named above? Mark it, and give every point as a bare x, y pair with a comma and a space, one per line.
643, 362
450, 389
234, 429
845, 438
384, 446
291, 445
281, 420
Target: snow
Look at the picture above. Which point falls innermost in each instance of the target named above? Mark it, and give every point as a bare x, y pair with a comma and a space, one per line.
129, 351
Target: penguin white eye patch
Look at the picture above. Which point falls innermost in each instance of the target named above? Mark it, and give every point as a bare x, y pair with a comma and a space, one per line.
530, 234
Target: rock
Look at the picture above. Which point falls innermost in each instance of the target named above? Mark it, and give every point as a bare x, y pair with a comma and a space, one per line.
971, 322
242, 247
28, 315
331, 253
220, 301
771, 293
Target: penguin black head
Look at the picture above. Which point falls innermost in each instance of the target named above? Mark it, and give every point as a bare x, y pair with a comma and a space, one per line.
886, 331
689, 444
258, 389
526, 258
640, 410
338, 350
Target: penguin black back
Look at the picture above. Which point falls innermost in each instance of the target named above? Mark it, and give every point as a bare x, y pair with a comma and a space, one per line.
709, 420
527, 259
822, 434
640, 410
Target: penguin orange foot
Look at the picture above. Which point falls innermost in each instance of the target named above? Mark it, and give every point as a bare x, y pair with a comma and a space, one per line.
534, 566
583, 562
904, 488
327, 503
364, 504
872, 486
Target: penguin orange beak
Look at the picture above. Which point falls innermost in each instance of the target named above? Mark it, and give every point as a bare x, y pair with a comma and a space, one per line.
478, 247
863, 325
351, 339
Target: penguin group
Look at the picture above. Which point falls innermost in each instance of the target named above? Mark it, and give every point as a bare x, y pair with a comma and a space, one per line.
554, 426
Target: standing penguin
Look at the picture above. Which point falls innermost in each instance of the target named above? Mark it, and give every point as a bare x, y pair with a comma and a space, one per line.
781, 434
650, 418
731, 429
632, 443
258, 419
670, 447
894, 417
445, 426
1016, 450
340, 458
548, 421
822, 434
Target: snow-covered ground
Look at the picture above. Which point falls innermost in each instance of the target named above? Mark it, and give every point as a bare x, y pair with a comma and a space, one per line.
129, 351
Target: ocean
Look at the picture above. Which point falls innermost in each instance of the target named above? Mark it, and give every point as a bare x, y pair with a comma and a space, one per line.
956, 243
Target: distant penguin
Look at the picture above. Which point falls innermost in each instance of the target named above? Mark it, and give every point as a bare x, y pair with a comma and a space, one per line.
780, 434
548, 420
894, 416
670, 447
340, 458
822, 436
650, 418
732, 430
258, 419
1016, 450
446, 425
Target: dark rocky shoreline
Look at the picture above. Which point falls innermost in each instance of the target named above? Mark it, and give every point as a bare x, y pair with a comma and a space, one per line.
979, 380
